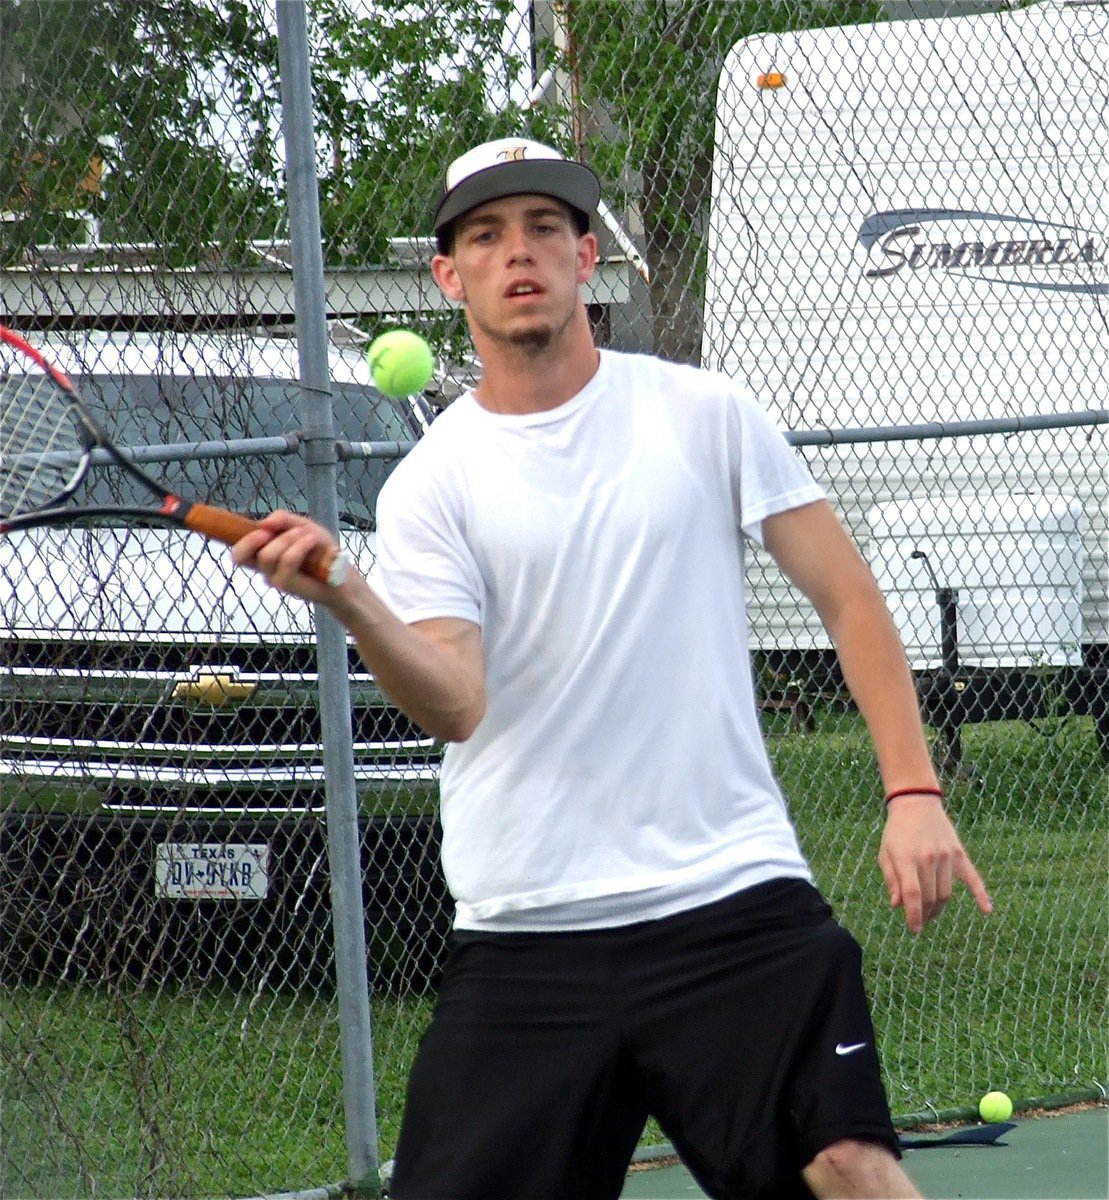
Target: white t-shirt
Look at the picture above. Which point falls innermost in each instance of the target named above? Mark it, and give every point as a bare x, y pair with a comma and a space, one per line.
619, 773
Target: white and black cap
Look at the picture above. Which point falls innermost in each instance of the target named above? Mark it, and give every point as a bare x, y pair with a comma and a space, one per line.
514, 167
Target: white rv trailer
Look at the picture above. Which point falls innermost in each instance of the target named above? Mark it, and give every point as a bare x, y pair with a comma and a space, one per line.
909, 226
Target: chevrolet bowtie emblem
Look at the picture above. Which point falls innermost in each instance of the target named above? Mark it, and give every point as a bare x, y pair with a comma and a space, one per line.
214, 688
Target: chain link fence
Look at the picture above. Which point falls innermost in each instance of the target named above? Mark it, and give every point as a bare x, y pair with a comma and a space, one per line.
890, 218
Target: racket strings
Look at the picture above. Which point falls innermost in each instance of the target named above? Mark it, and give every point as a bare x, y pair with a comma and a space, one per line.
41, 451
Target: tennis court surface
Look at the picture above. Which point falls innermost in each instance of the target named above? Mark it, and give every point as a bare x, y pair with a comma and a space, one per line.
1058, 1156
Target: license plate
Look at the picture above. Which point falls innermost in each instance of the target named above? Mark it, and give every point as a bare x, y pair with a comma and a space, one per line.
211, 871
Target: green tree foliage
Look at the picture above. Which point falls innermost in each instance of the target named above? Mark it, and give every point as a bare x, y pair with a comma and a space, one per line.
121, 111
160, 118
399, 93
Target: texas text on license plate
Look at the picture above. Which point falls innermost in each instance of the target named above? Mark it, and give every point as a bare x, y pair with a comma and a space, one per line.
211, 871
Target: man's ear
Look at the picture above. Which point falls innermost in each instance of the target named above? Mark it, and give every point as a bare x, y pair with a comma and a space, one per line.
444, 274
587, 256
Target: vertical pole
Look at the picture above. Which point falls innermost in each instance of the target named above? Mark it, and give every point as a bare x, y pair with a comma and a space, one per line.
950, 727
948, 601
321, 458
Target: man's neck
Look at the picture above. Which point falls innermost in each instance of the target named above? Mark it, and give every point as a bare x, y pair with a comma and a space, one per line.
518, 380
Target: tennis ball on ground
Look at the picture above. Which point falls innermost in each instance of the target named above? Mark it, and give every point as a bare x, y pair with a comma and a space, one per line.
401, 362
995, 1106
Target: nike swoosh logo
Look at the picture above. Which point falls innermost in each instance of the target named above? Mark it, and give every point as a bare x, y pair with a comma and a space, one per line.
842, 1048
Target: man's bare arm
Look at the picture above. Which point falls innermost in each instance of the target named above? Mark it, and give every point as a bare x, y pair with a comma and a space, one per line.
434, 670
921, 853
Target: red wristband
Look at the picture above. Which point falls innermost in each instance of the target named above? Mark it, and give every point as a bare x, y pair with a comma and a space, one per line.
915, 791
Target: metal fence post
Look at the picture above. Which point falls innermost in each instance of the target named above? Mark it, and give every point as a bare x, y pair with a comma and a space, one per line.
321, 459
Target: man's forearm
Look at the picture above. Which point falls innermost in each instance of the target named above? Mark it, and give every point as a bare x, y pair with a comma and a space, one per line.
877, 674
432, 670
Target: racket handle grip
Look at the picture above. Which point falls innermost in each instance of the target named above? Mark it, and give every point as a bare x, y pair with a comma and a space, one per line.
328, 566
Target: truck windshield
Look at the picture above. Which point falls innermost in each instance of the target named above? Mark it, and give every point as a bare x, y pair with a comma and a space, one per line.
138, 411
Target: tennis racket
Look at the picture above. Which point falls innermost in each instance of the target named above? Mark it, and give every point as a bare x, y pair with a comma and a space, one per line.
47, 439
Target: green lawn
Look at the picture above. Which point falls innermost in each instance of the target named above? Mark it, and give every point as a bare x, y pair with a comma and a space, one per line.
1015, 1001
232, 1093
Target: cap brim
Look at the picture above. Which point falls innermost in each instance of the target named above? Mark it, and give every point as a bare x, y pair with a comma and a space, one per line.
570, 182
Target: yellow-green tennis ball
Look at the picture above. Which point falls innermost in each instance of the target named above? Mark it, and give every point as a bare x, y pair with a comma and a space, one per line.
401, 362
995, 1106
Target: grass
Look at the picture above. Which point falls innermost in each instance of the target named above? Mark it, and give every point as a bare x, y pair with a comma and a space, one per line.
1015, 1001
393, 800
172, 1093
118, 1093
218, 1092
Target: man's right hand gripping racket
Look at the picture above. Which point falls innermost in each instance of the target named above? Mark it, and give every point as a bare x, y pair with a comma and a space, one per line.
47, 438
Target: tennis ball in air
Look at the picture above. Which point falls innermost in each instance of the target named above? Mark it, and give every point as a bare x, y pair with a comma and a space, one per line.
995, 1106
401, 362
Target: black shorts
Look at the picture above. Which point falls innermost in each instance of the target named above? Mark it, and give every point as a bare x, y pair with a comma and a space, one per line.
742, 1026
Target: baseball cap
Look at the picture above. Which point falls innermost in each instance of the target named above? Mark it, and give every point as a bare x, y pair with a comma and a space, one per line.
512, 167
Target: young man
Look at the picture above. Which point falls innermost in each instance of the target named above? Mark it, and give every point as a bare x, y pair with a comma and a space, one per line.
637, 931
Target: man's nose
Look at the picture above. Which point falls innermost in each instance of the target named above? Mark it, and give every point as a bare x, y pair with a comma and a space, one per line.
518, 245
